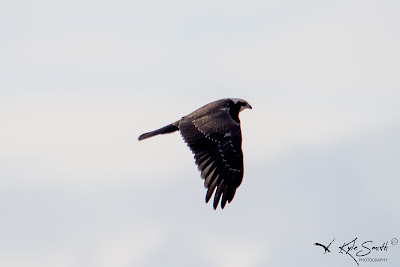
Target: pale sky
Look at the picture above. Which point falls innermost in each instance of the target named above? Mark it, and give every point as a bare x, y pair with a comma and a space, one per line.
81, 80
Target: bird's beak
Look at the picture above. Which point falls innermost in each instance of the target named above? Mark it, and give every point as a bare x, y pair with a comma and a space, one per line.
246, 106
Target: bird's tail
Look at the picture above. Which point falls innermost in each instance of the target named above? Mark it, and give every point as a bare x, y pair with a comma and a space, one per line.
164, 130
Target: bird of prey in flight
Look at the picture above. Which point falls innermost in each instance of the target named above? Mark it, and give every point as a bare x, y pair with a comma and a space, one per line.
213, 135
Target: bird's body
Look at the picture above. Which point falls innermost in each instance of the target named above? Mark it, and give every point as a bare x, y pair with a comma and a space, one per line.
213, 134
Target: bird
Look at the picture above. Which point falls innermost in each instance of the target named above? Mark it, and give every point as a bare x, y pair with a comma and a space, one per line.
326, 248
214, 136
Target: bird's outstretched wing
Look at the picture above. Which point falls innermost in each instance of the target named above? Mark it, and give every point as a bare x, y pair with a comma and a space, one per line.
216, 141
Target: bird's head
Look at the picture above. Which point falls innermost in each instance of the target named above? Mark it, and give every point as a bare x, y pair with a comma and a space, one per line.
241, 104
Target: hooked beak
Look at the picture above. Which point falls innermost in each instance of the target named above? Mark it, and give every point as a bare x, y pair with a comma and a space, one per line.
246, 106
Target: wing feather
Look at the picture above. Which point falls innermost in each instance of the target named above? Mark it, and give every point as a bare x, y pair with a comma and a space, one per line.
211, 188
216, 143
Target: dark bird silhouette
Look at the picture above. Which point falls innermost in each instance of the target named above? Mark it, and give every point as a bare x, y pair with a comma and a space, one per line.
326, 248
213, 135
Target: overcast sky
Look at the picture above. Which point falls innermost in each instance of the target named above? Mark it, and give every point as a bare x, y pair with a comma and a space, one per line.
81, 80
